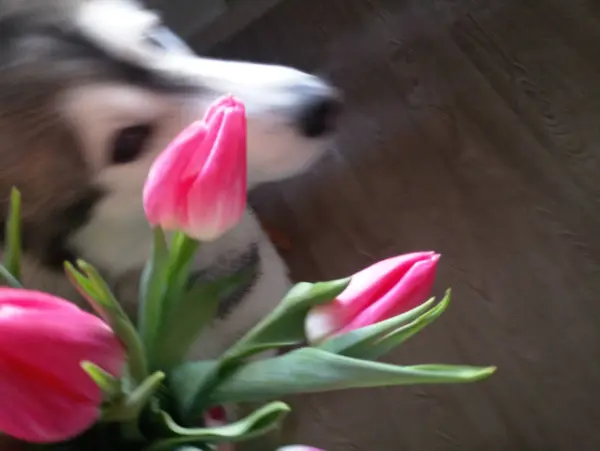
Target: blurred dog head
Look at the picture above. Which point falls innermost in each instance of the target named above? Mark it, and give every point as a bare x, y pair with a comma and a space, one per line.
92, 90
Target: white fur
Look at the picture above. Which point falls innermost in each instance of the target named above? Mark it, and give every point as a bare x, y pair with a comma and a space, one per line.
117, 237
272, 94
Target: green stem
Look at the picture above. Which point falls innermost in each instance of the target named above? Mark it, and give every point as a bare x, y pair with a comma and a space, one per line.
181, 257
152, 287
138, 365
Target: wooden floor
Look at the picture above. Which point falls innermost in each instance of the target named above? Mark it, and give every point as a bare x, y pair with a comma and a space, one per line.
472, 128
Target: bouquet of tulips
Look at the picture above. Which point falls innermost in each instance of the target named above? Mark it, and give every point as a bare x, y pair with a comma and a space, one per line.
72, 379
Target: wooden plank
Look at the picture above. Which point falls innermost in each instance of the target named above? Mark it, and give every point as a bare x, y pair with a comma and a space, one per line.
471, 128
205, 23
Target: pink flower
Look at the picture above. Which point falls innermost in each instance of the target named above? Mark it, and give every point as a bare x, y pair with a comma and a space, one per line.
198, 183
379, 292
46, 395
299, 448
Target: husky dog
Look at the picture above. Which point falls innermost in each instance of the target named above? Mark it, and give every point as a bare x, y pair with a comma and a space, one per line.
90, 92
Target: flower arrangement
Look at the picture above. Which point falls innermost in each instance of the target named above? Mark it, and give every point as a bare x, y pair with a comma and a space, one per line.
72, 379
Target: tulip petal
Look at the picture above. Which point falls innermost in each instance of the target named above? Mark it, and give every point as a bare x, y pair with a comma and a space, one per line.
370, 284
43, 340
162, 191
15, 301
323, 321
33, 411
221, 186
409, 292
227, 101
57, 343
198, 184
205, 149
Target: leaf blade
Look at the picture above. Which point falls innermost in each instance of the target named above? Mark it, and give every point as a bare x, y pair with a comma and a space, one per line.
9, 279
285, 324
192, 313
257, 423
373, 342
345, 343
399, 336
316, 371
12, 236
109, 385
97, 292
282, 327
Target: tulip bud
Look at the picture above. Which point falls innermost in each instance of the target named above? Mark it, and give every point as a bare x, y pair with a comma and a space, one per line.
46, 395
299, 448
197, 185
379, 292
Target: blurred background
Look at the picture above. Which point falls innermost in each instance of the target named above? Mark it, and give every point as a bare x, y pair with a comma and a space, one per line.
472, 128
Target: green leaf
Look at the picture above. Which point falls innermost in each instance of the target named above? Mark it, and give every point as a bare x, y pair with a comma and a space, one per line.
171, 271
344, 343
136, 357
193, 403
285, 325
12, 236
91, 285
9, 279
110, 386
256, 424
311, 370
191, 313
372, 342
120, 323
183, 250
152, 290
87, 289
130, 407
399, 336
103, 291
181, 258
187, 381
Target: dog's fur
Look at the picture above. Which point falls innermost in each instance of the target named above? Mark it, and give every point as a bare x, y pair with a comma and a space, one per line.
73, 75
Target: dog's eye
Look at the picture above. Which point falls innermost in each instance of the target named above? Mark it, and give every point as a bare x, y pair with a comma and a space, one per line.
129, 143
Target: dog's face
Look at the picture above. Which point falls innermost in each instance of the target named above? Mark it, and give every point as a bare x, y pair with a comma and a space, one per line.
90, 93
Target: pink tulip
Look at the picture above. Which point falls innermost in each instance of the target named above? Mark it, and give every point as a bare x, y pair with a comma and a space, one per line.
379, 292
299, 448
197, 185
46, 395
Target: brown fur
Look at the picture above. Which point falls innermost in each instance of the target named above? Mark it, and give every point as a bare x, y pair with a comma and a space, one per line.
39, 153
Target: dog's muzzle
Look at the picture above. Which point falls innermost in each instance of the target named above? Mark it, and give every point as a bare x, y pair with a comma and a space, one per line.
318, 115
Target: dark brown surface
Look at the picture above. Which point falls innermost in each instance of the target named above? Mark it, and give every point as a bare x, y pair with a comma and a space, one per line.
473, 128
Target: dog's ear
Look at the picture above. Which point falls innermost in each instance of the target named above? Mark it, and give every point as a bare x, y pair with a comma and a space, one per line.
41, 157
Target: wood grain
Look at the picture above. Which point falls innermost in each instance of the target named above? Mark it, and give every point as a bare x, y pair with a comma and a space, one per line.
472, 128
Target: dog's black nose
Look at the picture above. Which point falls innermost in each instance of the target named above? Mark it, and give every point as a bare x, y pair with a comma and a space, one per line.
318, 116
